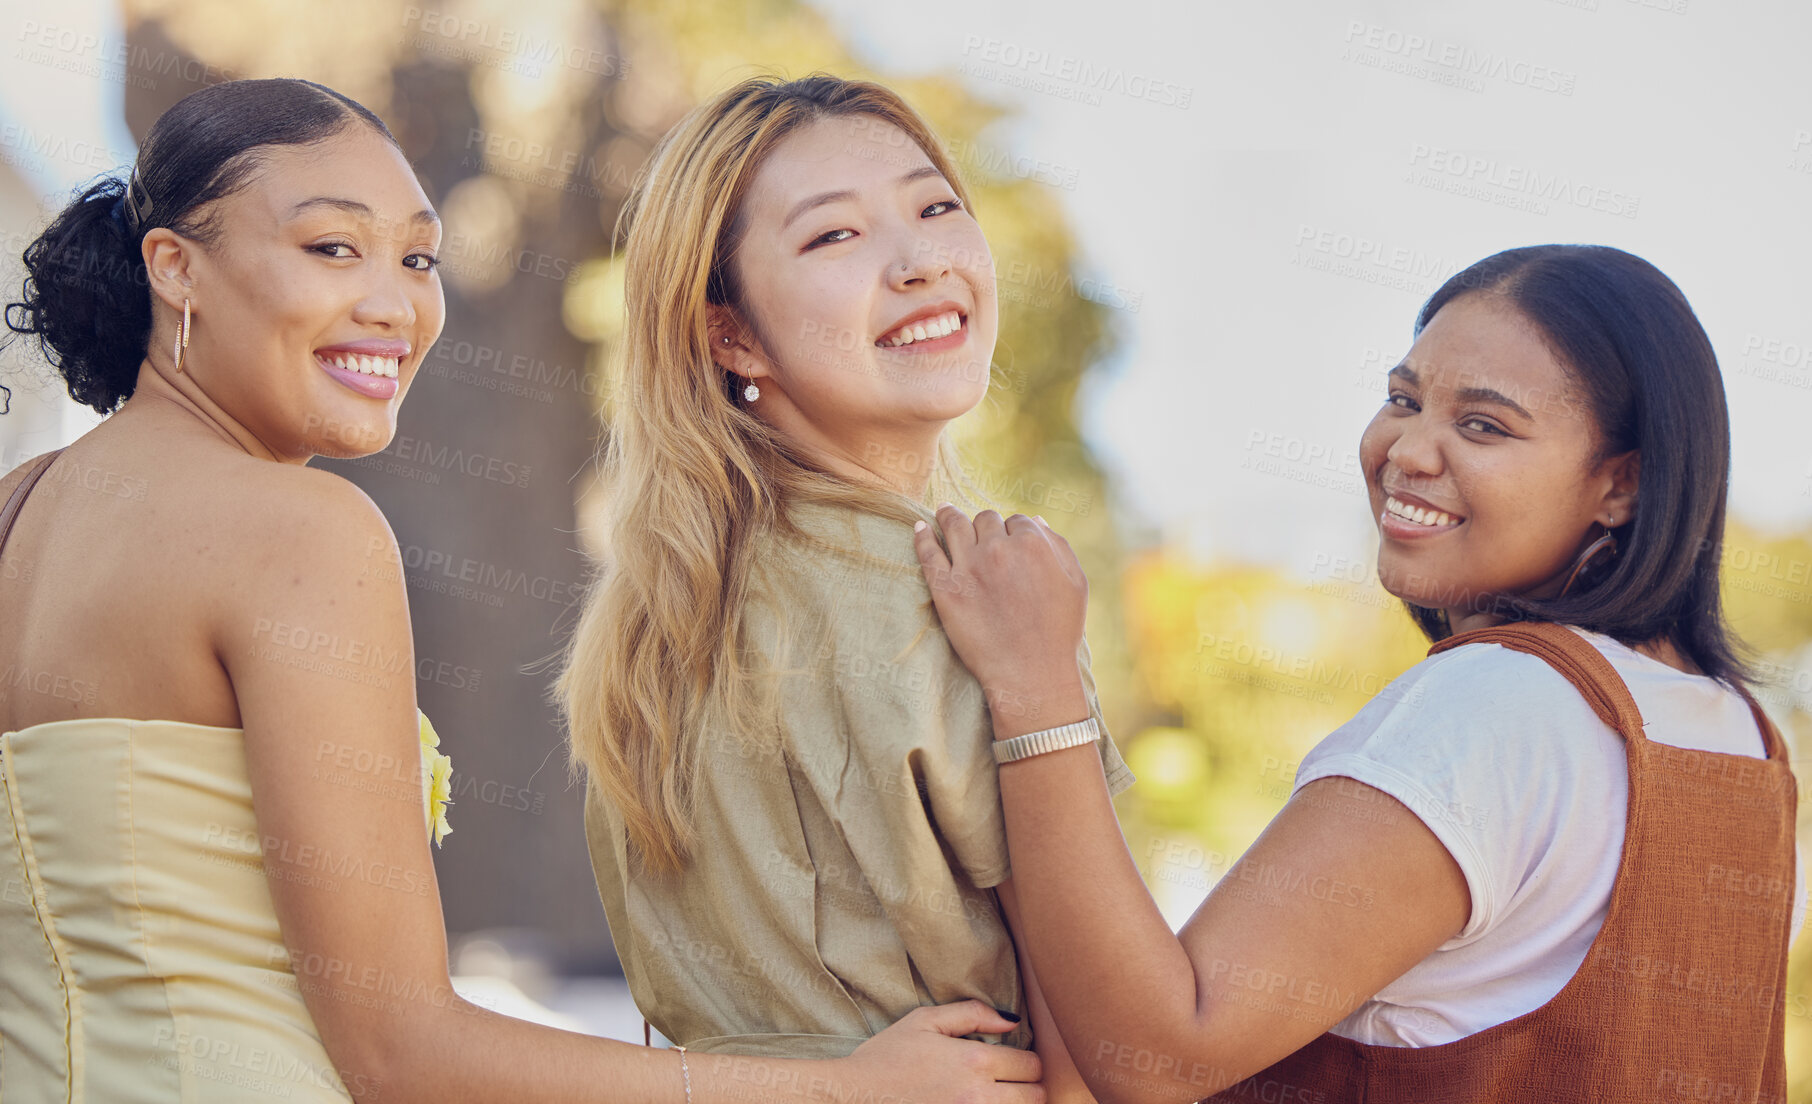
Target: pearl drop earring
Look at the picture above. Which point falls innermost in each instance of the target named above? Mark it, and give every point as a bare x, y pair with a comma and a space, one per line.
751, 392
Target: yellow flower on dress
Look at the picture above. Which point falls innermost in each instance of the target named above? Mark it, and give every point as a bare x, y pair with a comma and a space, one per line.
437, 781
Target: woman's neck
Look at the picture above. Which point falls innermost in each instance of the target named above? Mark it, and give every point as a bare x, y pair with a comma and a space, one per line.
1663, 649
156, 396
897, 459
909, 483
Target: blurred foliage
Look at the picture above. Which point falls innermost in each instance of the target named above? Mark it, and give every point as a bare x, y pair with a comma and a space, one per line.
1767, 581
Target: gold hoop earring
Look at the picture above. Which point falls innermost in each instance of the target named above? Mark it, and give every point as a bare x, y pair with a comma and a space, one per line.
1588, 558
182, 335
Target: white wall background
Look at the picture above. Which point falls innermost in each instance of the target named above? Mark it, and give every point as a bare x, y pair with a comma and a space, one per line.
1335, 161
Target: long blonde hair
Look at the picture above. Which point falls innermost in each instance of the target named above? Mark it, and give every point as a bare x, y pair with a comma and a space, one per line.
690, 474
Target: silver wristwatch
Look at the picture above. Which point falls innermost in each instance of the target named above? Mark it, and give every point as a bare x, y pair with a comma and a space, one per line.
1050, 739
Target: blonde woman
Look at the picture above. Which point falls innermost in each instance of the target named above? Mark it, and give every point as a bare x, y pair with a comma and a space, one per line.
793, 812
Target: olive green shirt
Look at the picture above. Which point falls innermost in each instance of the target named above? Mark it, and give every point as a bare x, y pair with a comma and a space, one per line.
842, 874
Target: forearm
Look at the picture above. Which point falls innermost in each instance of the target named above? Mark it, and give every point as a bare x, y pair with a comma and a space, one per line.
463, 1052
1063, 1083
1112, 971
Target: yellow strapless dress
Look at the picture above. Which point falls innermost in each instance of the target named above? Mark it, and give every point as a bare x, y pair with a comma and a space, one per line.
140, 957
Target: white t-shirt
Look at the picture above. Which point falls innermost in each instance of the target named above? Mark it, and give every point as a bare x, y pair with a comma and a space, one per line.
1528, 790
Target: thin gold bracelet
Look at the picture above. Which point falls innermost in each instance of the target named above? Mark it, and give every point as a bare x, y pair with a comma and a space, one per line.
685, 1071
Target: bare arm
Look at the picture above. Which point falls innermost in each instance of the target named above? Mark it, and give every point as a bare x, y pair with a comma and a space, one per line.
1255, 975
313, 628
1062, 1082
1148, 1015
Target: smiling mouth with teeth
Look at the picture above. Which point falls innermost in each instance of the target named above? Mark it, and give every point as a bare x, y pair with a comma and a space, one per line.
364, 365
925, 329
1434, 519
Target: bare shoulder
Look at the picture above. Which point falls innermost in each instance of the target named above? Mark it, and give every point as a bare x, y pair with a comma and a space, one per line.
308, 585
287, 519
215, 506
278, 530
17, 475
286, 501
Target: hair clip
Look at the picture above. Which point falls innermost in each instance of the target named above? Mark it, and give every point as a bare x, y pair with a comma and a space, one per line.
138, 201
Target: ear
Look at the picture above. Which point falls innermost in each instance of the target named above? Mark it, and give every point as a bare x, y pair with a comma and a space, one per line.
1623, 474
732, 348
168, 256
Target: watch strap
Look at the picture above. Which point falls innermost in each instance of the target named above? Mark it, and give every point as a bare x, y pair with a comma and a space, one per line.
1047, 740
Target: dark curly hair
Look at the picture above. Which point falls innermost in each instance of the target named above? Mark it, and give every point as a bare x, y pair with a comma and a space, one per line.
87, 296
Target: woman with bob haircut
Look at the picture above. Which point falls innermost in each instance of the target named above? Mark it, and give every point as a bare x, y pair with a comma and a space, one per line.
213, 832
1553, 861
792, 805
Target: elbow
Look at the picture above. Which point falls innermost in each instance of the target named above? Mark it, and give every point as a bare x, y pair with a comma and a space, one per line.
365, 1082
367, 1069
1176, 1070
1121, 1087
1143, 1078
383, 1062
1112, 1090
